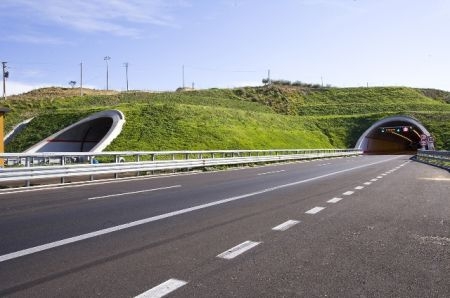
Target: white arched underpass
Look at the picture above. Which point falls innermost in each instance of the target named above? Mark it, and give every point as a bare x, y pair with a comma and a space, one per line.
392, 134
91, 134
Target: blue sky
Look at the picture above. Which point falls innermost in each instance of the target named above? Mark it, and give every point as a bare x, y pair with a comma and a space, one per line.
225, 43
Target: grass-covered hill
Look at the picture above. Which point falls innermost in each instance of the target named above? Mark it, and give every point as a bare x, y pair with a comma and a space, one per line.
266, 117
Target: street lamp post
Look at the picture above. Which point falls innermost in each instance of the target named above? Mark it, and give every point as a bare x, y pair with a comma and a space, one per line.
5, 76
107, 58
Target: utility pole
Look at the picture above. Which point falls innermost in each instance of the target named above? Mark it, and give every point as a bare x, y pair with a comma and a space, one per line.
126, 73
182, 74
5, 76
81, 78
107, 58
268, 77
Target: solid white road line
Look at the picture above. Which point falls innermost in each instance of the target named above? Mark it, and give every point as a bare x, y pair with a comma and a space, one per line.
314, 210
334, 200
286, 225
163, 289
134, 192
359, 187
237, 250
272, 172
66, 241
348, 193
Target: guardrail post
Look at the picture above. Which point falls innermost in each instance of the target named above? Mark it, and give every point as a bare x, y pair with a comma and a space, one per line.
153, 159
63, 163
28, 165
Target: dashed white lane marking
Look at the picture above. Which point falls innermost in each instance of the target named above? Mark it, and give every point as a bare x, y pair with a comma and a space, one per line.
97, 233
348, 193
134, 192
379, 177
374, 180
237, 250
325, 164
334, 200
163, 289
384, 174
314, 210
367, 183
359, 187
272, 172
286, 225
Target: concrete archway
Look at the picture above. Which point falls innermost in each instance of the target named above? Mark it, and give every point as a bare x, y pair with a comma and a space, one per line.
392, 135
16, 130
91, 134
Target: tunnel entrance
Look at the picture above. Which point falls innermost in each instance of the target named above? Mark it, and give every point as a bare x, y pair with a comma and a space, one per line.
394, 135
91, 134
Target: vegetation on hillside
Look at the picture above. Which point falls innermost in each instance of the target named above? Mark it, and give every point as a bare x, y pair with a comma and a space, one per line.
273, 116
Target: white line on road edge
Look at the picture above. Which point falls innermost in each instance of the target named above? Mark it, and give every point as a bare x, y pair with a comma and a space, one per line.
272, 172
334, 200
163, 289
286, 225
134, 192
237, 250
66, 241
348, 193
359, 187
314, 210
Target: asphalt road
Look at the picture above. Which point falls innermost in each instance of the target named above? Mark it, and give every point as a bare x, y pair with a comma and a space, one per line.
369, 226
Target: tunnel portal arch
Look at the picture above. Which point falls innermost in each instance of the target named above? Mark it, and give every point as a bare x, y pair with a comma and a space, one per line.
91, 134
392, 135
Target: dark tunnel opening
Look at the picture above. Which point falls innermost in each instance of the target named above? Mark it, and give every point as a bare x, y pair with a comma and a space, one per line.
91, 134
394, 135
80, 138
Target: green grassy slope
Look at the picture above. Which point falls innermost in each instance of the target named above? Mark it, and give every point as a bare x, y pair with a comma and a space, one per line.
244, 118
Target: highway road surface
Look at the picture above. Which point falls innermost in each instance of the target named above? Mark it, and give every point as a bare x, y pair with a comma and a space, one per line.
367, 226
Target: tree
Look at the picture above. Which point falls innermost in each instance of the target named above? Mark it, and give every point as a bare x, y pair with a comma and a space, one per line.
72, 83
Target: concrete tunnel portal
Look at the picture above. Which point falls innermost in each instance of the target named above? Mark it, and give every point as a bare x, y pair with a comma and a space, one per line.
91, 134
397, 134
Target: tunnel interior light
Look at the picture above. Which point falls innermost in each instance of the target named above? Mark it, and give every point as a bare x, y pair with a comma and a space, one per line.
396, 129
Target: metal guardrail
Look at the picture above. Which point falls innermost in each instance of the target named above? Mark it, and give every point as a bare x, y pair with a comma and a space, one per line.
436, 158
54, 165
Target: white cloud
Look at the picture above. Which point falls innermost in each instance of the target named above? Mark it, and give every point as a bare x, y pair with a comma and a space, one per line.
238, 84
36, 39
13, 87
120, 18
